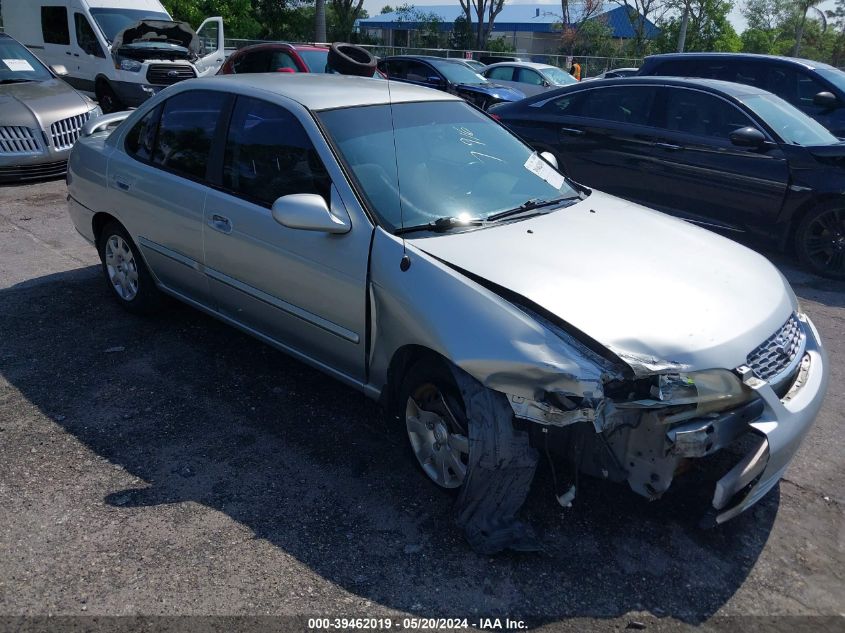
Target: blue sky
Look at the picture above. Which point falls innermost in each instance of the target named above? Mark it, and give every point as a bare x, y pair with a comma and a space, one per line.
374, 6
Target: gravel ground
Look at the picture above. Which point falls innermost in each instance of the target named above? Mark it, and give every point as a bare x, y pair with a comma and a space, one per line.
171, 466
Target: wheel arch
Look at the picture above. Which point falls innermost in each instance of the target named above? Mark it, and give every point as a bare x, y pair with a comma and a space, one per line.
401, 362
99, 222
787, 239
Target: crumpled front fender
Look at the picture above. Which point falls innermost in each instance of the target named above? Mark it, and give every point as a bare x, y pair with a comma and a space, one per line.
436, 307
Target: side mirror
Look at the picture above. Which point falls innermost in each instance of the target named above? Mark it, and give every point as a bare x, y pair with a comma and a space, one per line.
59, 69
545, 84
748, 137
550, 158
826, 100
434, 80
308, 212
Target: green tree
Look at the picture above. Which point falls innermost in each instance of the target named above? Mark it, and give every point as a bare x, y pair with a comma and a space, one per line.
708, 30
461, 34
803, 7
345, 14
639, 12
386, 9
499, 45
238, 15
485, 12
428, 33
837, 18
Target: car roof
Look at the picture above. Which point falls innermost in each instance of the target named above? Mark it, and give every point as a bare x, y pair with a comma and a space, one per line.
280, 45
319, 91
806, 63
714, 85
536, 65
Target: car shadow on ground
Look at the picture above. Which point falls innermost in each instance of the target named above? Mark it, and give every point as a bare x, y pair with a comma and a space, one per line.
203, 413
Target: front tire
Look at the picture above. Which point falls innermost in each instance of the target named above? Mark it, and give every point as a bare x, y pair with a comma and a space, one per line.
107, 99
126, 275
820, 241
434, 418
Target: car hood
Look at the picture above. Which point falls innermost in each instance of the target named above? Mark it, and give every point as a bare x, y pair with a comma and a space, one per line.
156, 32
503, 93
658, 292
40, 103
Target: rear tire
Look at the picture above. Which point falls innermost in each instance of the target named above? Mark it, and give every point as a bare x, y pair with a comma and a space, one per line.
125, 272
107, 98
820, 241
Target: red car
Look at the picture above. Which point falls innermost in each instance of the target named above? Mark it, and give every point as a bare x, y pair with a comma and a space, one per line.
300, 58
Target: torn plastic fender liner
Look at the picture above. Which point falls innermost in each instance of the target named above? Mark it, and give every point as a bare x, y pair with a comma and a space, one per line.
499, 474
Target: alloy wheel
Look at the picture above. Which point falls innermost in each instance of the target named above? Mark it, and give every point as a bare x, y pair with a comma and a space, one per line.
439, 441
122, 268
824, 241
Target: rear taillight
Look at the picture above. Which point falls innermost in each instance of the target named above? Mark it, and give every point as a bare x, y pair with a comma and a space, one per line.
495, 116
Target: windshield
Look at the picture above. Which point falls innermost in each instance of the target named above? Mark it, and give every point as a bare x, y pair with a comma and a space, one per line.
458, 73
113, 21
792, 125
450, 160
17, 64
558, 77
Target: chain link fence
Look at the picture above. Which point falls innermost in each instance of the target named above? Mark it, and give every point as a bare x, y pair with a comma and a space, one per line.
590, 65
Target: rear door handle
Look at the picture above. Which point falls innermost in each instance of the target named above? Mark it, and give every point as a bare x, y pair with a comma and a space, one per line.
572, 131
220, 223
670, 146
121, 184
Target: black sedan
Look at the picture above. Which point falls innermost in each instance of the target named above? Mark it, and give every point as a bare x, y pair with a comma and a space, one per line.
732, 157
449, 75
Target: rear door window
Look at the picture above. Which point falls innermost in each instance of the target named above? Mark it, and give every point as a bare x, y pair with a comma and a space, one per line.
54, 25
568, 105
186, 131
503, 73
701, 114
268, 155
253, 62
622, 104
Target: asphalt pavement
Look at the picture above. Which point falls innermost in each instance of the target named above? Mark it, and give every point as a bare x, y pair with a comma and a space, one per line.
171, 466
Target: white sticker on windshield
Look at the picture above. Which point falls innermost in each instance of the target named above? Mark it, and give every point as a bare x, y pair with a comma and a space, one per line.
18, 65
541, 168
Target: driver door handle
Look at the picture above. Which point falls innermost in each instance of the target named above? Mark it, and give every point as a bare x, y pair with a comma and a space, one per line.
220, 223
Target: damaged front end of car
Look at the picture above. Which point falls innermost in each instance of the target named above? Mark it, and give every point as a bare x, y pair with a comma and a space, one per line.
648, 421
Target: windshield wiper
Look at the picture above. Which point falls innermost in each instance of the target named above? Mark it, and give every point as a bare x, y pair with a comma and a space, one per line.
530, 205
440, 225
17, 80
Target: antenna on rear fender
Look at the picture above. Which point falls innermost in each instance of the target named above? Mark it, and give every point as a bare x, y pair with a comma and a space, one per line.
405, 262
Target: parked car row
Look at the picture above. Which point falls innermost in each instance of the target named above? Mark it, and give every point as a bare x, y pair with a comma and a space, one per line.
376, 205
729, 156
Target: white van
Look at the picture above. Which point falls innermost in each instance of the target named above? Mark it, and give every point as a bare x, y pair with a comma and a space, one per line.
104, 57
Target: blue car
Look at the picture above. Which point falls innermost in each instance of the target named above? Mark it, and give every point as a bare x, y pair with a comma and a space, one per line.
450, 76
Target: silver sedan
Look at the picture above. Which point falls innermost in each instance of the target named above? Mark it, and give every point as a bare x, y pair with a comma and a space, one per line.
40, 115
406, 244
